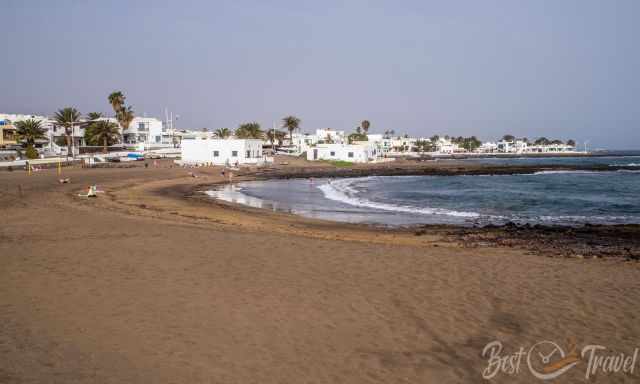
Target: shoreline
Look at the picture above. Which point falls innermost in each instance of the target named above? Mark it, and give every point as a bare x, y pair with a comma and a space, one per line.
608, 240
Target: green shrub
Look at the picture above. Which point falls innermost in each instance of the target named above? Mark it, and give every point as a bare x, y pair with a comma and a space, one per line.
31, 152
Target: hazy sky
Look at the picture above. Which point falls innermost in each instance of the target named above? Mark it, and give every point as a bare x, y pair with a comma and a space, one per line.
562, 69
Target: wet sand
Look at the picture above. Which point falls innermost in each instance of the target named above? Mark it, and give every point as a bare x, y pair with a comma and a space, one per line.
150, 282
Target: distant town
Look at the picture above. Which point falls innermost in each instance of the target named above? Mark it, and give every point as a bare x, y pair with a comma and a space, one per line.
68, 134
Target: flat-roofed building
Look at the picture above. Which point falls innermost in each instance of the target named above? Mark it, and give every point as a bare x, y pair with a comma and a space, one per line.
203, 150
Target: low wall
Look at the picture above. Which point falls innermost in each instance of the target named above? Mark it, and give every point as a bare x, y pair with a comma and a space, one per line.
39, 163
95, 149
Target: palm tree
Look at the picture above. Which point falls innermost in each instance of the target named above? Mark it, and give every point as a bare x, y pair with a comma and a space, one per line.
357, 137
275, 136
29, 131
94, 115
542, 141
365, 124
116, 99
280, 136
125, 116
291, 123
571, 143
89, 130
222, 133
105, 132
67, 117
249, 131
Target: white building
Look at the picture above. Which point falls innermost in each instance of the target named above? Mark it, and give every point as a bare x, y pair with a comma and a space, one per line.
488, 147
551, 148
230, 152
445, 146
383, 144
523, 147
517, 146
303, 141
375, 137
144, 130
330, 136
353, 153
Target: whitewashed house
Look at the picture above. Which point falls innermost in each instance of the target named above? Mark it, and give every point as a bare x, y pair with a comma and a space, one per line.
330, 136
517, 146
231, 152
303, 141
445, 146
377, 140
353, 153
400, 144
143, 130
551, 148
487, 147
386, 145
375, 137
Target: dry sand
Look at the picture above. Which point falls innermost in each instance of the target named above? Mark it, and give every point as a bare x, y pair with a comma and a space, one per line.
144, 285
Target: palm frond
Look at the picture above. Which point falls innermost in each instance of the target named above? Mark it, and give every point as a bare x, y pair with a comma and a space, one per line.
116, 99
29, 131
222, 133
125, 116
249, 131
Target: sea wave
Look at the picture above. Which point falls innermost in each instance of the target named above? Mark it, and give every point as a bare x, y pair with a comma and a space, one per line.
578, 172
343, 191
565, 171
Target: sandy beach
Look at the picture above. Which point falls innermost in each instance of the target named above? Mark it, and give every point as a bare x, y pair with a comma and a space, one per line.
154, 282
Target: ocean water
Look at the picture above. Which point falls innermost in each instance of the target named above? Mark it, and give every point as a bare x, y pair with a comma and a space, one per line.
626, 159
554, 197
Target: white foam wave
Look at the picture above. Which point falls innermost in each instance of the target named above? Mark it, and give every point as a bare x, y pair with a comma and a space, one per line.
565, 171
233, 194
343, 192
